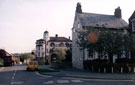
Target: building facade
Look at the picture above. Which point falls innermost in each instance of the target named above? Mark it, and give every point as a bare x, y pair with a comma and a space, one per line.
46, 46
132, 32
94, 20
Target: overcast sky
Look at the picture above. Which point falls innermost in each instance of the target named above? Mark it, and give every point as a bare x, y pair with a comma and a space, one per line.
22, 22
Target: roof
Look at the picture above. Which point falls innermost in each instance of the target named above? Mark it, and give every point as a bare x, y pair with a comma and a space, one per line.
59, 39
101, 20
46, 32
40, 40
132, 16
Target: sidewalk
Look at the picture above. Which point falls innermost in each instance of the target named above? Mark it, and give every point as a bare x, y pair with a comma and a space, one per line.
1, 68
71, 72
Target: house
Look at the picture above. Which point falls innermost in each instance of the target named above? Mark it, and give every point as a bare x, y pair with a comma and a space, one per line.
94, 20
6, 57
45, 47
132, 23
132, 31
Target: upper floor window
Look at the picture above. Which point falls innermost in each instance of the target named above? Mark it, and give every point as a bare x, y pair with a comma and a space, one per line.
61, 45
79, 25
133, 24
52, 45
67, 44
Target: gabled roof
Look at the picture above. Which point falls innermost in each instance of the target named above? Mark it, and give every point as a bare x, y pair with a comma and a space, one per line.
132, 16
101, 20
59, 39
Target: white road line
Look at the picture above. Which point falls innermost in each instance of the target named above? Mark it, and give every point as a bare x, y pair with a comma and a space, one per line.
13, 77
49, 82
14, 74
16, 83
76, 81
63, 81
42, 75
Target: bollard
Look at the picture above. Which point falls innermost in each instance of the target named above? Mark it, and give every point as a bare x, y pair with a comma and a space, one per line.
121, 70
99, 70
112, 69
104, 70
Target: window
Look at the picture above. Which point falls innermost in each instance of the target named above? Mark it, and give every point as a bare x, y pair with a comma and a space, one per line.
79, 25
38, 47
61, 45
67, 44
52, 45
38, 54
133, 25
46, 50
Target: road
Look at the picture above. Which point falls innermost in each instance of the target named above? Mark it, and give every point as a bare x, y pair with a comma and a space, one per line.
17, 75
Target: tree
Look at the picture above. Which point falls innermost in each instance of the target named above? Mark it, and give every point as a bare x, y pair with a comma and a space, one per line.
68, 55
101, 40
26, 56
60, 54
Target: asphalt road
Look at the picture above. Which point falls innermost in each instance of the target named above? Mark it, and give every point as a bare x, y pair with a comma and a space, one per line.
17, 75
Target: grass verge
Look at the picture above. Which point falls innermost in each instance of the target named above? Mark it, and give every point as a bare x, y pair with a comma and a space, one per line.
47, 70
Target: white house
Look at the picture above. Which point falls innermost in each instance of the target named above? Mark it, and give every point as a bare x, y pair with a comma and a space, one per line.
94, 20
46, 46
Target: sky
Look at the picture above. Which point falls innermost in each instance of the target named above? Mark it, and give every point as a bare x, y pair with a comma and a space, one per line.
22, 22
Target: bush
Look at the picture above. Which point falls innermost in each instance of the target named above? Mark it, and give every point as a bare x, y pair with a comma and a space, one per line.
1, 62
123, 61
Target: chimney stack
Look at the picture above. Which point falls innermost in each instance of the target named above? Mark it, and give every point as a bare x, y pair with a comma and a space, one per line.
78, 8
117, 13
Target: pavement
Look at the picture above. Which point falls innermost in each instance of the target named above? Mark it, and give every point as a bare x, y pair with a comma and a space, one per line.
1, 68
75, 73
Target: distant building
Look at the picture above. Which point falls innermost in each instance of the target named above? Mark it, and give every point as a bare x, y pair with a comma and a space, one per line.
84, 20
46, 46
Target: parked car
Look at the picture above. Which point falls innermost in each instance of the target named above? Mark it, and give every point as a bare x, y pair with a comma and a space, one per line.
33, 65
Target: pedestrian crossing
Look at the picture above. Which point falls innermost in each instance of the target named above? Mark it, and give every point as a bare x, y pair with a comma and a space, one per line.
62, 81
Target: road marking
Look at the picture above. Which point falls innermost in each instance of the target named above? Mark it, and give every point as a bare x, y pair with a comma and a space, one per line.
16, 83
37, 73
14, 74
13, 77
76, 81
49, 82
63, 81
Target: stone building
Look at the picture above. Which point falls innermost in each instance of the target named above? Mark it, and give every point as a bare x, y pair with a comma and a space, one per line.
132, 32
94, 20
46, 46
132, 23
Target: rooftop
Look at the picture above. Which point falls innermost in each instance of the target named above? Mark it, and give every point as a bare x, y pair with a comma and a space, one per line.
101, 20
